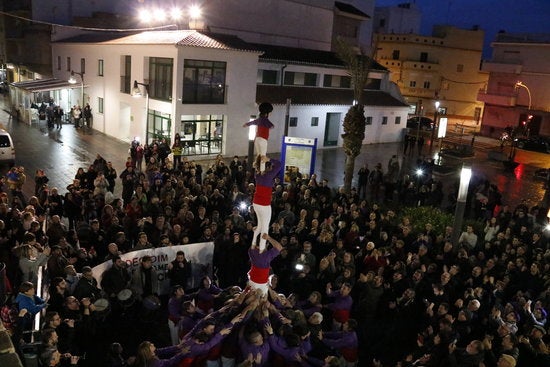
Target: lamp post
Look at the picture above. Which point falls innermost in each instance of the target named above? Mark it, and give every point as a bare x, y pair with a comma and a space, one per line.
522, 85
465, 175
436, 113
72, 80
136, 93
251, 138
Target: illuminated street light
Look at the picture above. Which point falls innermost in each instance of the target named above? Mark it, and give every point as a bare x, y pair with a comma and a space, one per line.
159, 14
195, 12
436, 113
251, 138
176, 14
136, 93
465, 176
521, 84
72, 80
145, 16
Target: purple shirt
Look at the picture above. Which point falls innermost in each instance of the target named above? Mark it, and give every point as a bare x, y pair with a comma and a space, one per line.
267, 178
340, 339
340, 302
261, 122
247, 348
262, 260
171, 356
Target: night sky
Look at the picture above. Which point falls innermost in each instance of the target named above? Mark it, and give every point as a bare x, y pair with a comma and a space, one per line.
513, 16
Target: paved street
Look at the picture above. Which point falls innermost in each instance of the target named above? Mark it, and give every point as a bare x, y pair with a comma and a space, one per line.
61, 152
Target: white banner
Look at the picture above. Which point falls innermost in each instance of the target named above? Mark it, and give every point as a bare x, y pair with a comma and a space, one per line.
198, 254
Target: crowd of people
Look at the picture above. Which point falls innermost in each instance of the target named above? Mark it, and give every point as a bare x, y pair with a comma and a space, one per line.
356, 282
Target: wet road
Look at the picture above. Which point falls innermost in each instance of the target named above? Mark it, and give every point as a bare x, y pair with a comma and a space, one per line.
60, 152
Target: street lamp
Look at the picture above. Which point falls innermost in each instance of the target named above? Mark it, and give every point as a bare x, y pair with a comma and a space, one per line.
72, 80
251, 138
136, 93
435, 124
465, 175
522, 85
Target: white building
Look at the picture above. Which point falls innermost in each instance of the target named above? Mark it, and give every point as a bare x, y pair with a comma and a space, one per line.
205, 86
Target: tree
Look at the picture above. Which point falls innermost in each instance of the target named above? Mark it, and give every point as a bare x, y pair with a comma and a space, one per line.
358, 66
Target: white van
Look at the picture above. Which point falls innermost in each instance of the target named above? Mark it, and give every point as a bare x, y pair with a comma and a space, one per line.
7, 150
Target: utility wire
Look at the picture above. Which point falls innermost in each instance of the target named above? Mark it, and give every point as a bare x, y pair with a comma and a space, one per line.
90, 28
454, 81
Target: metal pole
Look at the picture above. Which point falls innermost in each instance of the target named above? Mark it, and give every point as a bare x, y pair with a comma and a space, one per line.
462, 197
146, 114
287, 115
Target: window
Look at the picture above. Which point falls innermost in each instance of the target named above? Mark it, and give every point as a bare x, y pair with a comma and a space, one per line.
201, 134
204, 81
384, 120
83, 66
160, 78
369, 120
267, 76
336, 81
395, 55
397, 120
293, 122
99, 104
306, 79
423, 57
459, 68
100, 67
426, 85
125, 75
159, 125
412, 84
315, 121
68, 64
58, 62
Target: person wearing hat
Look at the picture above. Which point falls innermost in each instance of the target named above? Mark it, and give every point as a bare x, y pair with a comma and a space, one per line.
263, 125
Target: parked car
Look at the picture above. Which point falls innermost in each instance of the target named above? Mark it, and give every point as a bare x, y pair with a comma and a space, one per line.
7, 150
426, 123
534, 143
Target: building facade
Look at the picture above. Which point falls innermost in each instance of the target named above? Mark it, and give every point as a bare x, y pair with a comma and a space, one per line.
517, 93
443, 67
205, 88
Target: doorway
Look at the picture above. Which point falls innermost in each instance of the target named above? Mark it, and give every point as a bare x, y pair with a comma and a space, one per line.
332, 129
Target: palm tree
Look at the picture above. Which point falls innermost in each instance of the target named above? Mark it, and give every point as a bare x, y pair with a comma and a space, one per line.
358, 66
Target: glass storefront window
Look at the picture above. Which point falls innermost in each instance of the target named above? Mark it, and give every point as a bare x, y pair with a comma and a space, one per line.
159, 126
201, 134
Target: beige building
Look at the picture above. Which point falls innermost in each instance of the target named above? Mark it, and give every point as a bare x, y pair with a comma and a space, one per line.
525, 105
443, 67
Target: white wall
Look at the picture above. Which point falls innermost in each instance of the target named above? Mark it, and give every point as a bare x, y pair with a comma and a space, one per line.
375, 133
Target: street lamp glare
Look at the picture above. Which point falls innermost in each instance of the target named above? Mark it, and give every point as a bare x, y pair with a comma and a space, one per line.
195, 11
145, 16
72, 80
419, 172
176, 14
159, 14
437, 105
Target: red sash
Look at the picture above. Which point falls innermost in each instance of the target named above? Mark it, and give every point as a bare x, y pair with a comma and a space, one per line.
258, 275
350, 354
341, 315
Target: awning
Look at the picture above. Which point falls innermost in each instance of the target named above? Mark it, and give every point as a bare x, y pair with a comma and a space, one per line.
44, 85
